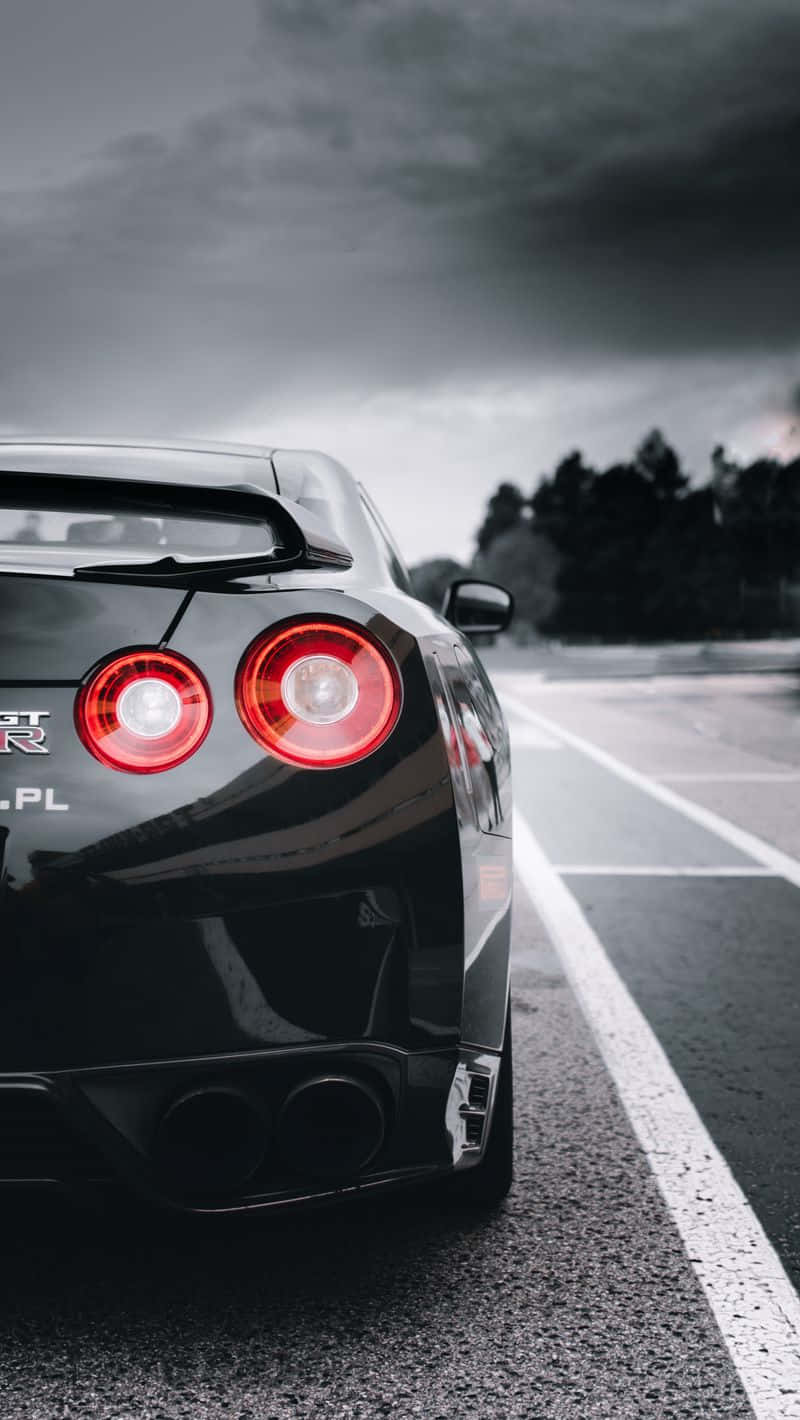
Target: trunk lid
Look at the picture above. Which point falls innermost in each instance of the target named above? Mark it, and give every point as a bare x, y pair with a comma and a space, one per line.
53, 629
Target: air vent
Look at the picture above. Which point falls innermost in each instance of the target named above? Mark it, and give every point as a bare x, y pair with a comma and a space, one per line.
478, 1091
474, 1130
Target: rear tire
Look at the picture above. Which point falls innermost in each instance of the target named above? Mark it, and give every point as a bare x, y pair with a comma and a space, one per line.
488, 1183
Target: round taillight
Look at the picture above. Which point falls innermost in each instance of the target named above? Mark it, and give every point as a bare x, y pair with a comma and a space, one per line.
318, 693
143, 711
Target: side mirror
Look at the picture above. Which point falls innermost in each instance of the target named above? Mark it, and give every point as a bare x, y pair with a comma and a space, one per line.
478, 607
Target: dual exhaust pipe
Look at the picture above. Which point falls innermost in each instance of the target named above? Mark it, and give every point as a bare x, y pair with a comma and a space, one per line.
214, 1138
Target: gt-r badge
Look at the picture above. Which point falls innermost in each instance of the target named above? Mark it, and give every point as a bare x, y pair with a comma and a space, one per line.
20, 729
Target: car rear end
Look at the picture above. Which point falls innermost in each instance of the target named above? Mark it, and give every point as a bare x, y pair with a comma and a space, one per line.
233, 953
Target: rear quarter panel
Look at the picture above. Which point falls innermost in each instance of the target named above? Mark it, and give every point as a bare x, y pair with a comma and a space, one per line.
481, 777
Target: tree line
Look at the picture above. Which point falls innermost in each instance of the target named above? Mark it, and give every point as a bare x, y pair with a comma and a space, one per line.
635, 551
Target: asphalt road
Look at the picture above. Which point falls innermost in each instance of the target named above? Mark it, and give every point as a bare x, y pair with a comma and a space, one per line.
709, 954
578, 1299
669, 807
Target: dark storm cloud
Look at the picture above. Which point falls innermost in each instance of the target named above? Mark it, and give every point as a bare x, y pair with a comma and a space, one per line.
404, 190
648, 147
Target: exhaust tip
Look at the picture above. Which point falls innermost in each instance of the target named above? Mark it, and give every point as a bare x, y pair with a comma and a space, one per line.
212, 1138
331, 1126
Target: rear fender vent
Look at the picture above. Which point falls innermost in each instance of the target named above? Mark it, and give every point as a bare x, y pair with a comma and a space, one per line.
474, 1111
474, 1130
479, 1092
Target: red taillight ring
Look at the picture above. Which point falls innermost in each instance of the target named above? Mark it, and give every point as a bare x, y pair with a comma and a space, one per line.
143, 711
319, 693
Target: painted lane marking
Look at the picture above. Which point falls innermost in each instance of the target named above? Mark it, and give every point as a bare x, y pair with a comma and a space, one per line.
753, 1302
756, 848
524, 736
744, 777
627, 870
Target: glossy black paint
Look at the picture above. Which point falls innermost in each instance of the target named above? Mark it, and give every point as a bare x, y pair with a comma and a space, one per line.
235, 915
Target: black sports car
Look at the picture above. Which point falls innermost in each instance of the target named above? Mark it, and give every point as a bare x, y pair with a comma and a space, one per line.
255, 838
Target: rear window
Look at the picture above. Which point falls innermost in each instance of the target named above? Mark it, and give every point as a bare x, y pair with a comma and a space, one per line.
61, 533
387, 546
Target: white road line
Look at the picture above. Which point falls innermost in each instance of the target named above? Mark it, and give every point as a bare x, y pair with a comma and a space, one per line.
748, 843
627, 870
755, 1306
524, 736
745, 777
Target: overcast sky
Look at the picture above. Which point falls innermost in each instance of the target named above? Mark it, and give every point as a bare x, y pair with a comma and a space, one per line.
446, 242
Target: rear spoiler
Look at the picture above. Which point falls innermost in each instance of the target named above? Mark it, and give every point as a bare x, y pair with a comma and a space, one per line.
297, 539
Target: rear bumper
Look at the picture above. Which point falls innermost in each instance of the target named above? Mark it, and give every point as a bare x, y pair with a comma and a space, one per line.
87, 1130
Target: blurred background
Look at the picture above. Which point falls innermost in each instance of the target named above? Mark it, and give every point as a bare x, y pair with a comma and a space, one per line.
529, 269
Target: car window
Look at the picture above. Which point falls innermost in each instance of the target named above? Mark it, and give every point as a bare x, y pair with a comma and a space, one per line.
387, 546
53, 529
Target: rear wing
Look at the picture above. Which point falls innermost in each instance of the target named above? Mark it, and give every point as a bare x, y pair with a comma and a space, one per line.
294, 538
